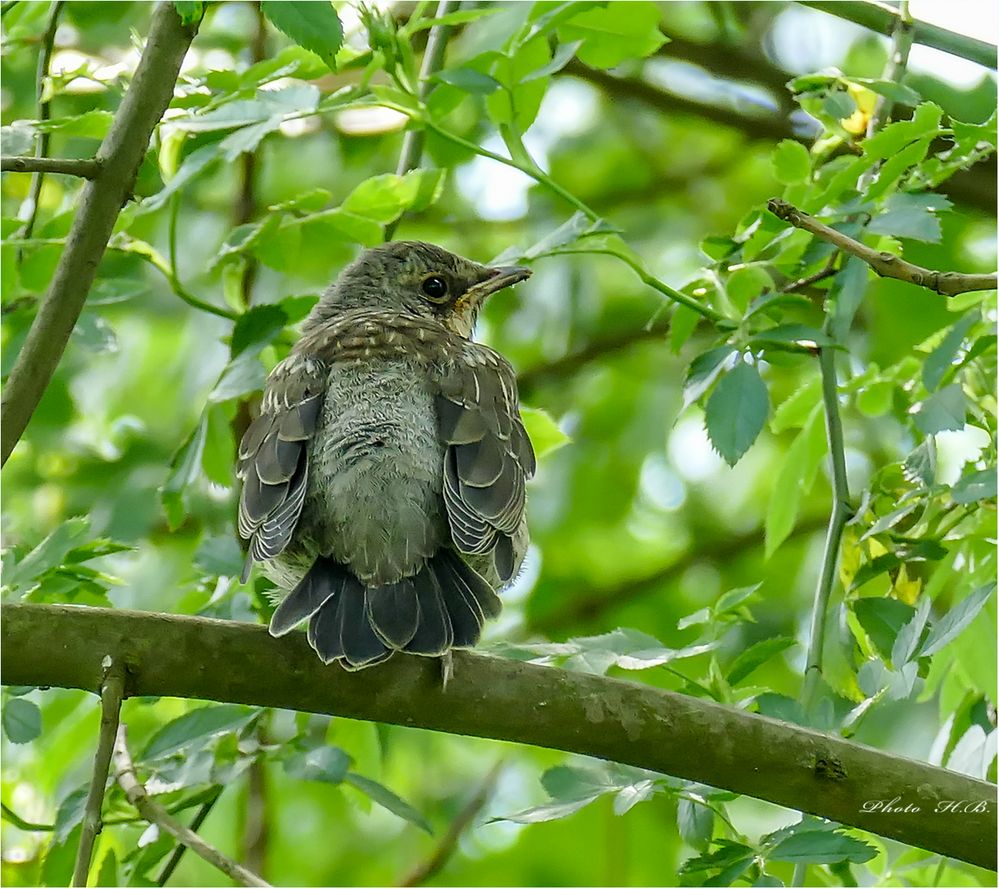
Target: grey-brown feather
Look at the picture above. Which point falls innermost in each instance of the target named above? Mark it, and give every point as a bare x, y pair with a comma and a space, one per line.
387, 445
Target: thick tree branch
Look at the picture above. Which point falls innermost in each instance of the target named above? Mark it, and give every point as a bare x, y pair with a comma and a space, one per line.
883, 19
154, 813
61, 646
887, 265
112, 694
119, 157
71, 166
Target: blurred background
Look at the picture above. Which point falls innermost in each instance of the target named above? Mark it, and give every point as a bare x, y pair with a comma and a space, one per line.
636, 522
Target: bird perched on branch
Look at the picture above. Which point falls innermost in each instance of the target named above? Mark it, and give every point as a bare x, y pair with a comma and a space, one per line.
383, 482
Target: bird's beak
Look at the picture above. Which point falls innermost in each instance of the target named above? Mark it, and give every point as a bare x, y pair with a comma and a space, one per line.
499, 279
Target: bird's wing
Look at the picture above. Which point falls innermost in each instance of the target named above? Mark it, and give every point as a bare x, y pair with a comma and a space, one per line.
273, 455
489, 456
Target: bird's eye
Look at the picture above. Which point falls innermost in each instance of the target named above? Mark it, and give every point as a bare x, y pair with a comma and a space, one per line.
435, 287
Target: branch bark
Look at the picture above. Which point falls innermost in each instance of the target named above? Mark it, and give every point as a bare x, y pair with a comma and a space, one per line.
154, 813
87, 168
61, 646
884, 19
887, 265
119, 157
112, 694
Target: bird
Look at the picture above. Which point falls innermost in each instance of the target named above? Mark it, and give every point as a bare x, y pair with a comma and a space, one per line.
383, 482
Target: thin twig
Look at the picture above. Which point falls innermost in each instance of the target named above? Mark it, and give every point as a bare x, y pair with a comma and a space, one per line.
178, 853
154, 813
87, 168
827, 271
44, 112
885, 264
112, 694
449, 842
120, 155
838, 518
901, 43
433, 58
884, 19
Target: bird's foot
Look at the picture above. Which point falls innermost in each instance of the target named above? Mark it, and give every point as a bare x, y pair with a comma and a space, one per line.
447, 669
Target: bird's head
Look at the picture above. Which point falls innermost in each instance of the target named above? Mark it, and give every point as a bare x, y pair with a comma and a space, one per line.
415, 278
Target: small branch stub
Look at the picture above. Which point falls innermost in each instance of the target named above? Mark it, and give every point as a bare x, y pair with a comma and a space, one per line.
887, 265
87, 168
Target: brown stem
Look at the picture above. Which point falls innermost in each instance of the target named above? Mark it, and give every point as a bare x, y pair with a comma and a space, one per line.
448, 844
154, 813
119, 156
71, 166
112, 694
887, 265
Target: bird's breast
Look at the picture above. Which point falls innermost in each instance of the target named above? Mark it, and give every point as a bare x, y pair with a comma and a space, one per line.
374, 495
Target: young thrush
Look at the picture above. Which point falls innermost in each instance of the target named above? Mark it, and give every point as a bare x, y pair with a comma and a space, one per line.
383, 482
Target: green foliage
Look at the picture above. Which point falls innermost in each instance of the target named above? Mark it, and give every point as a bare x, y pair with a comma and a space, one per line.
273, 168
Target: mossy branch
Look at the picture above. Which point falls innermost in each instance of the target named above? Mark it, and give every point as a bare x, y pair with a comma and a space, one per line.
825, 775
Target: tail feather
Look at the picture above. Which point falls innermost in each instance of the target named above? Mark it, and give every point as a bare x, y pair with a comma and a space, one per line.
442, 606
321, 582
434, 634
393, 611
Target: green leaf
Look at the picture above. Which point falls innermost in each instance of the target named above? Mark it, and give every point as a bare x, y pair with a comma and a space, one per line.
797, 408
846, 295
943, 410
22, 721
69, 814
312, 25
197, 726
695, 822
939, 361
681, 326
196, 163
257, 327
733, 599
615, 33
891, 89
469, 80
189, 12
241, 376
756, 655
518, 103
911, 215
821, 847
388, 800
799, 334
543, 431
975, 486
562, 57
907, 640
703, 371
48, 554
882, 619
794, 480
185, 466
890, 140
326, 763
791, 162
747, 283
955, 620
549, 811
216, 458
736, 411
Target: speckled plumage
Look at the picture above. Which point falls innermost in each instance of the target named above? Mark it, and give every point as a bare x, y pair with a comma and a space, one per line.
384, 479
